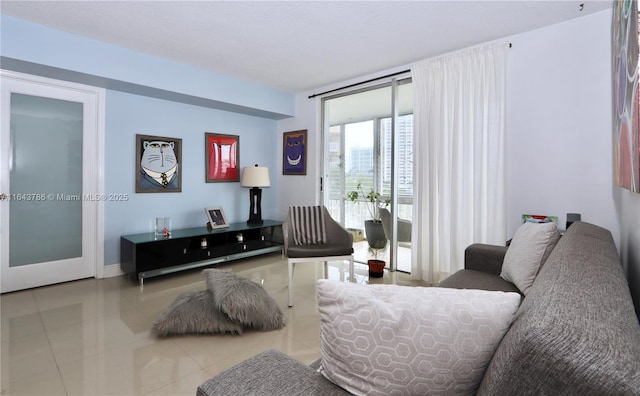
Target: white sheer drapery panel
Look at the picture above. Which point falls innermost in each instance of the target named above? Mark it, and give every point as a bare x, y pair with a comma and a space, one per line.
459, 140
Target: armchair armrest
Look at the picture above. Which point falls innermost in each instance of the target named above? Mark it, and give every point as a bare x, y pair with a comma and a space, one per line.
484, 257
336, 234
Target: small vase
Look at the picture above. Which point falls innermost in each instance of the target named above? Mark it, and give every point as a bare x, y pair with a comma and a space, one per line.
163, 227
376, 268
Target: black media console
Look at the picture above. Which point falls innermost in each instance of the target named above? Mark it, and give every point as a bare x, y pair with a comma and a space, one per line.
146, 255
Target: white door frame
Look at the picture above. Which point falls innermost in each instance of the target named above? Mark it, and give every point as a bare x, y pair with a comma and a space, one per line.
96, 172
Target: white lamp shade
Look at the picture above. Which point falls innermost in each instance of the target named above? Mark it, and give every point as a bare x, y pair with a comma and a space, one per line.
255, 176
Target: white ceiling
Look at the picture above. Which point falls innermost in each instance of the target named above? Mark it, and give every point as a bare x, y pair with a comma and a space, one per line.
298, 45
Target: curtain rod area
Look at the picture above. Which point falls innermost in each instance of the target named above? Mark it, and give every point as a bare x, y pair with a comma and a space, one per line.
366, 81
359, 83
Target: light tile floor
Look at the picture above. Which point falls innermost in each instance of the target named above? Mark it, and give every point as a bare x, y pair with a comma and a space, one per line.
91, 337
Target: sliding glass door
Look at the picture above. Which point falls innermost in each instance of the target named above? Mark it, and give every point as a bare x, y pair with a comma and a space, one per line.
368, 142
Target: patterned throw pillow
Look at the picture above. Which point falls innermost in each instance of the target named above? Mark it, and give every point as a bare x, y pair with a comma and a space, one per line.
388, 339
529, 249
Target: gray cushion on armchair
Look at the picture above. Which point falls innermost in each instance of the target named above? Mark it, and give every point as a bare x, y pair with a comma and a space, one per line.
269, 373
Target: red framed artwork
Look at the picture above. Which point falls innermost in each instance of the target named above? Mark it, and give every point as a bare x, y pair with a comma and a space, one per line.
222, 156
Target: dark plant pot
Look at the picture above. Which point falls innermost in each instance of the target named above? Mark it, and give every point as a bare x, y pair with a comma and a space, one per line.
376, 268
375, 234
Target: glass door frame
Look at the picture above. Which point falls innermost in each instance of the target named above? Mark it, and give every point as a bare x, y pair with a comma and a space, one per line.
393, 195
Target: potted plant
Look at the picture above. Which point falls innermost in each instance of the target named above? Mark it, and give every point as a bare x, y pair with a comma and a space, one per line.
373, 201
376, 264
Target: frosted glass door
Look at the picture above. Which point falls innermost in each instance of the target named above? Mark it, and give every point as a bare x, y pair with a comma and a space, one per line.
45, 218
47, 172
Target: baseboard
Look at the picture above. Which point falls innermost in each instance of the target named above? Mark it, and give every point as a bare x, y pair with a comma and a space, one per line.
112, 270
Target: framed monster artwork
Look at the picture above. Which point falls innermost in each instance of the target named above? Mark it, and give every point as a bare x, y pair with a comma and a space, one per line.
294, 153
158, 164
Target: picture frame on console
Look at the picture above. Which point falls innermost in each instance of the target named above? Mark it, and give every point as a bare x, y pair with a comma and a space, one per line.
294, 153
216, 217
222, 158
158, 164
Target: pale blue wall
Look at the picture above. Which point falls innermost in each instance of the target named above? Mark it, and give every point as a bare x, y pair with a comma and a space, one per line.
128, 115
153, 96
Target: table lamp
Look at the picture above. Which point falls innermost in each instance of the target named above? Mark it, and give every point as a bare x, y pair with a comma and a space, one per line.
255, 177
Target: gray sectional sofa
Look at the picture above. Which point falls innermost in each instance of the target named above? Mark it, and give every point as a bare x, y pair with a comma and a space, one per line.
575, 332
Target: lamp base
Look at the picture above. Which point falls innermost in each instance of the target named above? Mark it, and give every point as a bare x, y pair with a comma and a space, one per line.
255, 211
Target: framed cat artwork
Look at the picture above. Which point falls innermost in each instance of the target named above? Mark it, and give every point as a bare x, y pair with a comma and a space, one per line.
294, 153
158, 164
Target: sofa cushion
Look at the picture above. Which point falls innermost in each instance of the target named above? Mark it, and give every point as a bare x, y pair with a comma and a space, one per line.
472, 279
269, 373
243, 301
387, 339
529, 249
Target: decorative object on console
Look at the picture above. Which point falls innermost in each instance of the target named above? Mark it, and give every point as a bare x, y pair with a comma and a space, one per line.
294, 153
255, 177
391, 333
216, 217
158, 164
230, 304
163, 227
222, 156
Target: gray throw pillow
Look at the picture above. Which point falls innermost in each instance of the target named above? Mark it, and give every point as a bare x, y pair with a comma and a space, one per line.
529, 249
243, 301
194, 313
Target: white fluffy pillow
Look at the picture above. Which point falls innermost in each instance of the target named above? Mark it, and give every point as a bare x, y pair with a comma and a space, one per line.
529, 249
388, 339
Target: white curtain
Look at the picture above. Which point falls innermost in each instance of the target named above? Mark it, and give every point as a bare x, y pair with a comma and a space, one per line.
459, 137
